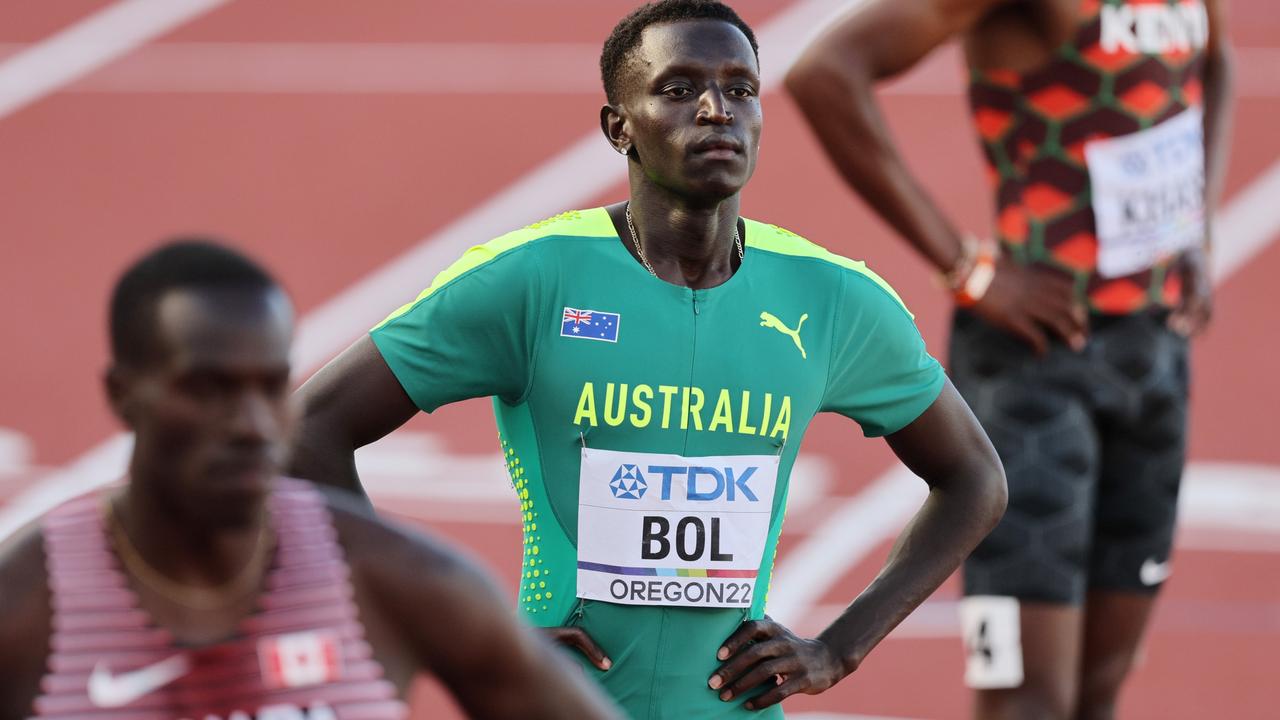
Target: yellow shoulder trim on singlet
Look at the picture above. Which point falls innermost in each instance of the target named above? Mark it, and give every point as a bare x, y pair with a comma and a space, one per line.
573, 223
772, 238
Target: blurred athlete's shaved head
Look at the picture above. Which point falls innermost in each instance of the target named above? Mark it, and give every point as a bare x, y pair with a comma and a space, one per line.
187, 263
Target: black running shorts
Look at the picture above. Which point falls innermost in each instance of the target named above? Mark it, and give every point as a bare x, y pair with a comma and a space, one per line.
1093, 444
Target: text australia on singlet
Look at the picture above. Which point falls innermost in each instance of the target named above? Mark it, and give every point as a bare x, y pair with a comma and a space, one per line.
663, 529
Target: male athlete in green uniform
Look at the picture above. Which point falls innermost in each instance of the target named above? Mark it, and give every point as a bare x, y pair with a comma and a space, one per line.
654, 365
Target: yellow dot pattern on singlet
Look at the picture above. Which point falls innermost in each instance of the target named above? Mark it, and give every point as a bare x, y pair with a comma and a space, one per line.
566, 215
532, 583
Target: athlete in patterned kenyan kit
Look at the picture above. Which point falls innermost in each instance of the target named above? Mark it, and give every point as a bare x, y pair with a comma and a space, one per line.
209, 588
654, 365
1035, 126
1102, 123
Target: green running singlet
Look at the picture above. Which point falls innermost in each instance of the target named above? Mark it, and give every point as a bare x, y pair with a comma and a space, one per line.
650, 429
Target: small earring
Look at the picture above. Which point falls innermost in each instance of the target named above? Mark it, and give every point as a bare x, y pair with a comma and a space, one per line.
622, 150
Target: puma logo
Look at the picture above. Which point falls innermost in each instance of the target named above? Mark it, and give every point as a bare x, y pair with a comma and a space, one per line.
769, 320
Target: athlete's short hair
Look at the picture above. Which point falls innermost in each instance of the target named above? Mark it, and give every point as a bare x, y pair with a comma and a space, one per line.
183, 263
626, 34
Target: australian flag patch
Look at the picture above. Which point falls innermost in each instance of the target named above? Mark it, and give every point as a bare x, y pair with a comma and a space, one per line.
590, 324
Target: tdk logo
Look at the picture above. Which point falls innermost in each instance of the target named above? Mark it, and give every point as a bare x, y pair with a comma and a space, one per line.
628, 483
706, 483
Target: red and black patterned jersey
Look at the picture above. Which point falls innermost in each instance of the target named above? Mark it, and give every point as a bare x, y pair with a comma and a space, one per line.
1130, 66
301, 656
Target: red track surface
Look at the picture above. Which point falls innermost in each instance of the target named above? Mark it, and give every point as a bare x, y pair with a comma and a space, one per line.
327, 187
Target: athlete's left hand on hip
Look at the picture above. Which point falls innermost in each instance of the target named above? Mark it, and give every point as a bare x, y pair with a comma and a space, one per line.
1191, 315
762, 651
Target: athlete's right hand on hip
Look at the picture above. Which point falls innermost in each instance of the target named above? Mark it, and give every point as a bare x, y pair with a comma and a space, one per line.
1025, 301
763, 652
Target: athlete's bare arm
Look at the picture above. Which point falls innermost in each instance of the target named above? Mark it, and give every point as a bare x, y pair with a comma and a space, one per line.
833, 82
1217, 100
948, 449
349, 403
24, 622
456, 625
1193, 313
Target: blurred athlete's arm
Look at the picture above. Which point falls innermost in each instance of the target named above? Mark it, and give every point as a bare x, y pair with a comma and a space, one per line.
833, 83
948, 449
457, 626
349, 403
24, 622
1217, 101
1195, 309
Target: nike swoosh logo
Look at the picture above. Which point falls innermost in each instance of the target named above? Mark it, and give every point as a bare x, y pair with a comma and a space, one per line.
111, 691
1154, 573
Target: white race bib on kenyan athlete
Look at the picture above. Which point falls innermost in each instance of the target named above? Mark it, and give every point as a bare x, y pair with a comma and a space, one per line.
1148, 193
670, 530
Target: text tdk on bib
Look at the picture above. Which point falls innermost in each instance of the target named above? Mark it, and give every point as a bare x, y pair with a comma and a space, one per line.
659, 529
1148, 193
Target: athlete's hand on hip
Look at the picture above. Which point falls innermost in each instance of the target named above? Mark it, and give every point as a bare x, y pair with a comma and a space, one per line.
1195, 307
1026, 301
576, 637
764, 652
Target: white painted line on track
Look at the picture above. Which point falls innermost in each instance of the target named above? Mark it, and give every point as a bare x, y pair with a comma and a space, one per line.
1246, 226
474, 68
100, 466
843, 538
81, 48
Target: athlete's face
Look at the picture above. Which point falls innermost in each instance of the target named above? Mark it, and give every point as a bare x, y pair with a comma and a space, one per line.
690, 108
211, 412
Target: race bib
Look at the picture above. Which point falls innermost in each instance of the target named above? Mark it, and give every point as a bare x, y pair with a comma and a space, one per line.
669, 530
1148, 193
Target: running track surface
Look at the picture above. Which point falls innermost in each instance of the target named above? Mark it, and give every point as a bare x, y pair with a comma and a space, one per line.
328, 139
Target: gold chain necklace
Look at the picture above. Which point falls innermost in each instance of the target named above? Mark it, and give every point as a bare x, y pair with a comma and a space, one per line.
635, 238
246, 581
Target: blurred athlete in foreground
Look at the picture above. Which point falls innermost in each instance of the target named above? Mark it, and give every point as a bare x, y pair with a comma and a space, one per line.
1103, 123
655, 364
209, 587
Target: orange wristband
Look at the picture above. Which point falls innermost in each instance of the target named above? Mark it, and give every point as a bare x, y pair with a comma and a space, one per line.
977, 281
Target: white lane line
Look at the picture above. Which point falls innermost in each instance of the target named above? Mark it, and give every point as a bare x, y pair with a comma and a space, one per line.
100, 466
843, 538
575, 176
76, 51
396, 68
1246, 226
474, 68
1241, 497
939, 618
